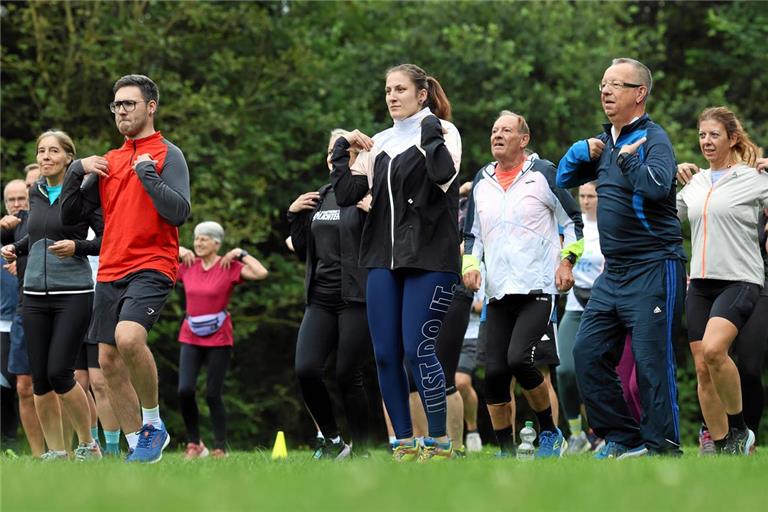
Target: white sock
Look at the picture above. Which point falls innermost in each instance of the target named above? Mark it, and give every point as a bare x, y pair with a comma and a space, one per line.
575, 425
132, 438
336, 439
319, 435
392, 439
151, 417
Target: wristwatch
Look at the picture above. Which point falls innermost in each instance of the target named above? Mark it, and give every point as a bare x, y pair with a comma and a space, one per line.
243, 254
571, 257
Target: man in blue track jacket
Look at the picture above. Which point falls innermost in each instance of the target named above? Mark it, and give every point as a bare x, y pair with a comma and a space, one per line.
642, 288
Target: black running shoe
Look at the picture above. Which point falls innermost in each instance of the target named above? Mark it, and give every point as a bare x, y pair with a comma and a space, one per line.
336, 451
739, 442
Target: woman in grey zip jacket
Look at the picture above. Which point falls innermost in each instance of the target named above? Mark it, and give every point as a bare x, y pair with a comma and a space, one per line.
58, 289
723, 204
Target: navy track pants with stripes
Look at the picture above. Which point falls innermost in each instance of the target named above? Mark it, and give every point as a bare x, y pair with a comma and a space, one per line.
646, 300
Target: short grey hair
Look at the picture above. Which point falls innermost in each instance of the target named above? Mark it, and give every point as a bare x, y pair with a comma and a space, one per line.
17, 182
643, 73
210, 229
522, 127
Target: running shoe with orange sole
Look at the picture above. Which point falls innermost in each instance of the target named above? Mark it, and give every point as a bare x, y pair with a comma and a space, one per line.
435, 450
405, 451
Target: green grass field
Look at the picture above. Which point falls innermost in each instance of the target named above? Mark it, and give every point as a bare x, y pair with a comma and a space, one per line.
251, 481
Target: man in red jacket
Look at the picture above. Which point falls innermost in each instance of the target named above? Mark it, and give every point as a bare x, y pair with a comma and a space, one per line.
143, 189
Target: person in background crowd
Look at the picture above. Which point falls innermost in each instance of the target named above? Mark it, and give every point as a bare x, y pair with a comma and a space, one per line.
15, 199
466, 369
206, 333
327, 237
13, 229
585, 271
89, 375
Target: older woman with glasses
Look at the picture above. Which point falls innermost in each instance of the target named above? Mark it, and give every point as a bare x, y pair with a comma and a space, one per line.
206, 334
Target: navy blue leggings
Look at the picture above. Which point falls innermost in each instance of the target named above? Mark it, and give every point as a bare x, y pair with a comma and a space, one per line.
405, 313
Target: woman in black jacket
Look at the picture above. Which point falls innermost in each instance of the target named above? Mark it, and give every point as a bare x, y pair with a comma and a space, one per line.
409, 244
58, 296
327, 236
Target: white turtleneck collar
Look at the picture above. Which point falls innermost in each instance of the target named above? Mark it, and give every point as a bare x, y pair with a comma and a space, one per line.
403, 134
414, 120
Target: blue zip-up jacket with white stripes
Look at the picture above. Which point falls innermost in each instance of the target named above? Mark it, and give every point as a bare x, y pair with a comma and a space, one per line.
636, 210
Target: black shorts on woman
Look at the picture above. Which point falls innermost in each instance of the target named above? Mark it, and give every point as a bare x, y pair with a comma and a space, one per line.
710, 298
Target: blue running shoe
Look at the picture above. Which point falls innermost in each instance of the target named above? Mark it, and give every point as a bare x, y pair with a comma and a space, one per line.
551, 444
614, 450
152, 442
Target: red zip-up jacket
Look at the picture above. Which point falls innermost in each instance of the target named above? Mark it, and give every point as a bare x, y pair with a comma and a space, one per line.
143, 207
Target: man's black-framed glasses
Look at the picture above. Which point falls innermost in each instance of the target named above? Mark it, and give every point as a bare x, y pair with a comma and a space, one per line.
128, 105
617, 85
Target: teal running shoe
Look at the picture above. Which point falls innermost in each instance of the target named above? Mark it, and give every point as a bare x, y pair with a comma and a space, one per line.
614, 450
551, 444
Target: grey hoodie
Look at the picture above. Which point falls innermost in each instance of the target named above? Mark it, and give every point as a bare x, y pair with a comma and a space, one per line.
724, 219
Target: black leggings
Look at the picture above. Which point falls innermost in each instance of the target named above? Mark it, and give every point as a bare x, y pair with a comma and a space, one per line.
55, 327
749, 348
514, 324
451, 337
323, 330
191, 359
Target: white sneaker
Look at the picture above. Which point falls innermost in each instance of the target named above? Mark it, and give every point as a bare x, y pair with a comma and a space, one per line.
578, 444
473, 443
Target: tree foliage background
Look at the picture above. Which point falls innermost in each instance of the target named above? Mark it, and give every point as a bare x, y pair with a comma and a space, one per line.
250, 91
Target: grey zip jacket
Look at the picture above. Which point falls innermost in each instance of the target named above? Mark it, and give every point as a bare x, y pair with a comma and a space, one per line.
724, 219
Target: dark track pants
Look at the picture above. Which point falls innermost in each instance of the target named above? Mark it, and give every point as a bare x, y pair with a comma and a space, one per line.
648, 300
750, 347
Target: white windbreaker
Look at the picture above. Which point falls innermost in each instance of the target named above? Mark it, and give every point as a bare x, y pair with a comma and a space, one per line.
515, 232
724, 224
589, 266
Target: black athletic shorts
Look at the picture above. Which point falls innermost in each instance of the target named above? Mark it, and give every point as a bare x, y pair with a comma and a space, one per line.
88, 356
545, 351
707, 298
137, 297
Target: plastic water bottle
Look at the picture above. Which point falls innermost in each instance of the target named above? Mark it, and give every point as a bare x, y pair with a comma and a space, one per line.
527, 436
